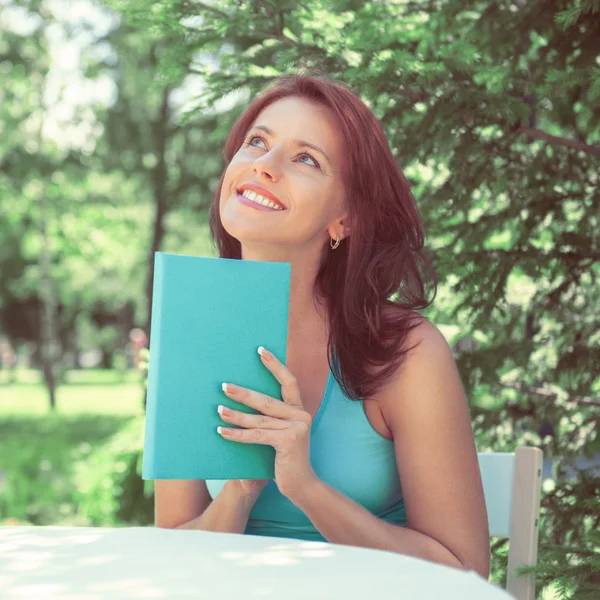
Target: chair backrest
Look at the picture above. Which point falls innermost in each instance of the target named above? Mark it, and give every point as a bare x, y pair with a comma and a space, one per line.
512, 487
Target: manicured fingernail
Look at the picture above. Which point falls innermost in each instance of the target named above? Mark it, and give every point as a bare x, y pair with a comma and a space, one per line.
222, 410
222, 430
228, 388
264, 353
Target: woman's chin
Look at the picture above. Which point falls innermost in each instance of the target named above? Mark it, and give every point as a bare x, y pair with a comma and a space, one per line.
246, 233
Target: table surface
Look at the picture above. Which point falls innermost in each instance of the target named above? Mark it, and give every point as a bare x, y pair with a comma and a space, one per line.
97, 563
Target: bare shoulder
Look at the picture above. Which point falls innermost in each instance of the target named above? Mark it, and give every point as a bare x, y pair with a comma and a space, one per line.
423, 337
428, 370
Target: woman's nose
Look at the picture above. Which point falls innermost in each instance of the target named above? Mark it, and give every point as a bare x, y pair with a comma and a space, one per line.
265, 168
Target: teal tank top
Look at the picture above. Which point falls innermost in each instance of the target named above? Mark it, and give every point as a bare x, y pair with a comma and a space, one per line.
347, 454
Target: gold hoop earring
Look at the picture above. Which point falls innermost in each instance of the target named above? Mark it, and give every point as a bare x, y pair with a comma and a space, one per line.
337, 242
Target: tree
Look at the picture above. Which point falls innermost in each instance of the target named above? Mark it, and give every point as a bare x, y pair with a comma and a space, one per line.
148, 141
492, 110
85, 208
26, 92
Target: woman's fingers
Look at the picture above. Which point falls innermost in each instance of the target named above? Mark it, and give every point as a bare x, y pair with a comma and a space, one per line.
281, 439
250, 421
289, 385
264, 437
264, 404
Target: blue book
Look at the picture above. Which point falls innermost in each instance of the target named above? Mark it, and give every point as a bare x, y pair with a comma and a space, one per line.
209, 316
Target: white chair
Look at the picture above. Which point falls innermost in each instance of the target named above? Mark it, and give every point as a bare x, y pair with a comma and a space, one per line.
512, 486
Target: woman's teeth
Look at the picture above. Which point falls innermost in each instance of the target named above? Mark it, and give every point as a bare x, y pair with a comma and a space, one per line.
254, 197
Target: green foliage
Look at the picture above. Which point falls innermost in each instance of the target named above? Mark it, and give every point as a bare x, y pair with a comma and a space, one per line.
110, 490
571, 539
573, 13
108, 193
49, 459
40, 456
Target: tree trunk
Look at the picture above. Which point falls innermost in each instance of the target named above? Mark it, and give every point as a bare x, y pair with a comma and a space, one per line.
49, 344
159, 182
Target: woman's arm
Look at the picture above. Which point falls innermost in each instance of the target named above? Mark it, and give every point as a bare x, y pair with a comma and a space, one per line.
342, 521
187, 505
426, 409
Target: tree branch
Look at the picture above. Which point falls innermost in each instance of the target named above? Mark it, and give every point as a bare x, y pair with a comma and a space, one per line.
279, 36
559, 141
530, 132
500, 255
207, 8
414, 96
539, 391
278, 26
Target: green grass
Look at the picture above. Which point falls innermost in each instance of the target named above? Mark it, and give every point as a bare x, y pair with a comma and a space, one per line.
93, 392
40, 448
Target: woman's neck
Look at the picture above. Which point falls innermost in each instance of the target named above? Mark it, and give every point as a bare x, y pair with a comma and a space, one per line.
307, 323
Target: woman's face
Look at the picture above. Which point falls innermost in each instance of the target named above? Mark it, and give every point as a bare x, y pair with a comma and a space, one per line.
292, 156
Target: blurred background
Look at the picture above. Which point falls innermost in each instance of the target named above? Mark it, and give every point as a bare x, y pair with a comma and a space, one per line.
112, 120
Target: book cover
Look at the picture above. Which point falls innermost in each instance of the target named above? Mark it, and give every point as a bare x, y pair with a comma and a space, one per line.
209, 316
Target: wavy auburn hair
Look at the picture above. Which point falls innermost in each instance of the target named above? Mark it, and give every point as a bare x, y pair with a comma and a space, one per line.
379, 273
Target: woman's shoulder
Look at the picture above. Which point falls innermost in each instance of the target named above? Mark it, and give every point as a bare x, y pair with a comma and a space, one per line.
418, 327
424, 347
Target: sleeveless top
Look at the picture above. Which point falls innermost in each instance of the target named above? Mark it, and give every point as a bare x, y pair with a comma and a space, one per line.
347, 454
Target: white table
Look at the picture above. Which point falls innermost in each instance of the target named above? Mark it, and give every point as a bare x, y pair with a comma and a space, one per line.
51, 563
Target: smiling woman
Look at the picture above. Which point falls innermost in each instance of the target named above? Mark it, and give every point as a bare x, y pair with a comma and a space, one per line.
373, 441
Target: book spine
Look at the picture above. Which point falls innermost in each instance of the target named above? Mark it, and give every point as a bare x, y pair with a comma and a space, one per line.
148, 465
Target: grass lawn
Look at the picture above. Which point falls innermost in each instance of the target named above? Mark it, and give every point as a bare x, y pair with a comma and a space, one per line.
39, 447
90, 391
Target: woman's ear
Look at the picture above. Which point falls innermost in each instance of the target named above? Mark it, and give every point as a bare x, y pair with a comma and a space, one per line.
339, 227
345, 227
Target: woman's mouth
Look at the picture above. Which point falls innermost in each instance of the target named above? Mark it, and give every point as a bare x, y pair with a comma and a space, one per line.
258, 202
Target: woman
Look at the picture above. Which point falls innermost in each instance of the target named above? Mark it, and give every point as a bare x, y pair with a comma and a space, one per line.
373, 441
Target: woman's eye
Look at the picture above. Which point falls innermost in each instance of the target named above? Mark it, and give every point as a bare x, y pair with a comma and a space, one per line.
251, 141
314, 162
253, 138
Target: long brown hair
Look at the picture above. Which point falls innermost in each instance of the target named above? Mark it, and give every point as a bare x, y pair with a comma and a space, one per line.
378, 275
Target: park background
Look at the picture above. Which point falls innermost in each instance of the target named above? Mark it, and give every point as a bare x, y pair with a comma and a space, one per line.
112, 122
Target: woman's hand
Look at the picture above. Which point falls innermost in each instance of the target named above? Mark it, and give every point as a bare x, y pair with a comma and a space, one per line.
283, 425
249, 488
